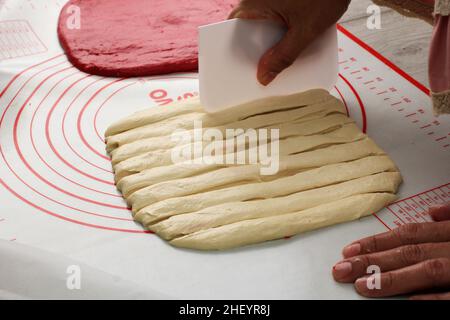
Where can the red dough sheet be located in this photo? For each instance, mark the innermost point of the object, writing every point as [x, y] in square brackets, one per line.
[130, 38]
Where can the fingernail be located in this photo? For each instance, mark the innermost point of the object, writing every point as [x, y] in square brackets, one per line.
[342, 269]
[268, 77]
[352, 250]
[361, 284]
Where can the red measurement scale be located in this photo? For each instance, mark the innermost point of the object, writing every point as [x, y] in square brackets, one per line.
[394, 98]
[57, 190]
[66, 173]
[414, 209]
[390, 94]
[17, 39]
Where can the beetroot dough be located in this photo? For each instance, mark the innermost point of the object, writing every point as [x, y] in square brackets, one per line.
[128, 38]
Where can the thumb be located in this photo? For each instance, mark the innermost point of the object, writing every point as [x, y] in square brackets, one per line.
[440, 212]
[281, 56]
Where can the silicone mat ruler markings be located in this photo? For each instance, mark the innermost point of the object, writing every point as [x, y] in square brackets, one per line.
[71, 218]
[17, 39]
[354, 69]
[28, 4]
[403, 106]
[412, 209]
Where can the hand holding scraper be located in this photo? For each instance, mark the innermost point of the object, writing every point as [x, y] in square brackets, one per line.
[263, 44]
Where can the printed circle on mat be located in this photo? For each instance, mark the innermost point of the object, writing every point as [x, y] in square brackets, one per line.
[52, 151]
[151, 91]
[346, 92]
[51, 146]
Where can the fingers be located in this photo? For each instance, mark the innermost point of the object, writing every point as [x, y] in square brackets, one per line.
[282, 55]
[413, 233]
[440, 213]
[356, 267]
[305, 20]
[425, 275]
[435, 296]
[411, 258]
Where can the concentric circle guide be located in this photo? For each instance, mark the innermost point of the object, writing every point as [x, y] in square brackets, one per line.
[53, 118]
[56, 189]
[56, 117]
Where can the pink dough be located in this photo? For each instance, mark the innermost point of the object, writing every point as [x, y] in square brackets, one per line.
[129, 38]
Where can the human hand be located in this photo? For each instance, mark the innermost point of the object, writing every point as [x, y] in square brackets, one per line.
[412, 258]
[304, 20]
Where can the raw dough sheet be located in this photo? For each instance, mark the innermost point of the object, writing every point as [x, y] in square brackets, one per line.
[136, 37]
[328, 170]
[59, 205]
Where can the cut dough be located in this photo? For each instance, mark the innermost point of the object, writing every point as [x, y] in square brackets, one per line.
[333, 154]
[275, 227]
[145, 145]
[153, 115]
[232, 212]
[193, 185]
[306, 180]
[156, 114]
[146, 177]
[347, 133]
[186, 122]
[130, 184]
[202, 182]
[329, 172]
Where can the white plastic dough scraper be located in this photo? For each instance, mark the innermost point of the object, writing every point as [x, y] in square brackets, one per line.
[229, 53]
